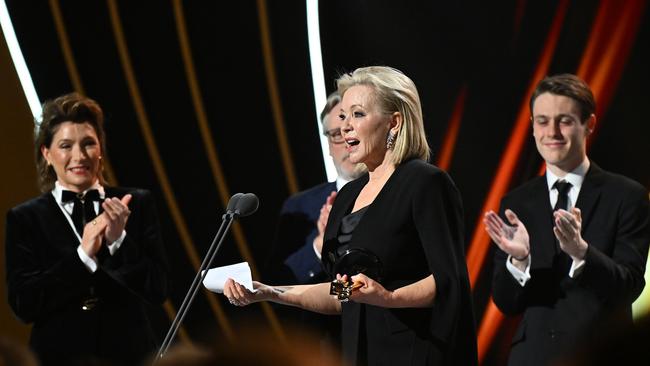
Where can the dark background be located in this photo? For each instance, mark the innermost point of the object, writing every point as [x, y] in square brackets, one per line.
[490, 50]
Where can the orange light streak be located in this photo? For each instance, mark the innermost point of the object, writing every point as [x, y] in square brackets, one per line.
[480, 240]
[602, 74]
[449, 142]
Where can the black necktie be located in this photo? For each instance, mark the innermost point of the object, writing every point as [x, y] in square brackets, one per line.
[83, 210]
[563, 188]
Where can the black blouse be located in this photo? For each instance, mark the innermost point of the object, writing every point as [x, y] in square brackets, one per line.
[348, 224]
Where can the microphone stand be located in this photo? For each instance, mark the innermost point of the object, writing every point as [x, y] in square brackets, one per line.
[227, 220]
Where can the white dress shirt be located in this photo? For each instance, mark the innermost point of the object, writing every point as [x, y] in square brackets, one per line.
[67, 207]
[576, 177]
[340, 182]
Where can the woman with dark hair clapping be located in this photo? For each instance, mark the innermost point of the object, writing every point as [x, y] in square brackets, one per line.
[83, 259]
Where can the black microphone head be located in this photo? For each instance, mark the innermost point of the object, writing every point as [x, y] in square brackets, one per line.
[247, 205]
[232, 204]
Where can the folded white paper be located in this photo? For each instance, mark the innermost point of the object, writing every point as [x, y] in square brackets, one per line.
[240, 272]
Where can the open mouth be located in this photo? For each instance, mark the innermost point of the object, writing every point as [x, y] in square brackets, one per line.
[352, 142]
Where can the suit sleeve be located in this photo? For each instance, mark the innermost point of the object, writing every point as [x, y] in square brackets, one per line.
[618, 277]
[303, 263]
[35, 290]
[438, 216]
[140, 265]
[293, 260]
[508, 295]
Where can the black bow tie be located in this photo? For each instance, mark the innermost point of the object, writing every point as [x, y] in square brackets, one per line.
[84, 209]
[91, 195]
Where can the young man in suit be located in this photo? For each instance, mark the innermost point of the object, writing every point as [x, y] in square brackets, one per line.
[572, 244]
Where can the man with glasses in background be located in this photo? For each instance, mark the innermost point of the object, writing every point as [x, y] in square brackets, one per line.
[295, 256]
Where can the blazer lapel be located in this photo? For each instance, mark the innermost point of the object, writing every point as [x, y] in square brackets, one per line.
[57, 222]
[540, 228]
[590, 193]
[343, 205]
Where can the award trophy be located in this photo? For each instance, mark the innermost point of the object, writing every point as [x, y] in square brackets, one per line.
[352, 261]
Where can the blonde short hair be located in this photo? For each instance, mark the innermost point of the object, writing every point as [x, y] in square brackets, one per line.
[394, 92]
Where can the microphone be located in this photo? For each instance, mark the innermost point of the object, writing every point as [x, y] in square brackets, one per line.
[240, 205]
[246, 205]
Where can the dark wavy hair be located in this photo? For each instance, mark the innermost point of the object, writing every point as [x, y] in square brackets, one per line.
[74, 108]
[569, 86]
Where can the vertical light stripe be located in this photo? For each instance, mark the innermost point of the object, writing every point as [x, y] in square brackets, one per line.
[197, 101]
[318, 82]
[62, 34]
[19, 62]
[594, 69]
[611, 63]
[492, 319]
[480, 240]
[75, 78]
[274, 95]
[588, 61]
[603, 70]
[501, 182]
[73, 72]
[449, 142]
[159, 168]
[213, 157]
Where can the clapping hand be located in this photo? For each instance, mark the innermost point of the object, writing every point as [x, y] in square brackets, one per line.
[91, 240]
[512, 239]
[322, 221]
[109, 225]
[116, 213]
[567, 230]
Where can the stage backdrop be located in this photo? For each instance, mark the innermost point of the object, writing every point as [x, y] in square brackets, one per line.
[207, 98]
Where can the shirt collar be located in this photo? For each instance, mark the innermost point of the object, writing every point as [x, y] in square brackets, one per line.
[575, 177]
[340, 182]
[58, 189]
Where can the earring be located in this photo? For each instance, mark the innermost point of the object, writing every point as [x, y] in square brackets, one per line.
[390, 141]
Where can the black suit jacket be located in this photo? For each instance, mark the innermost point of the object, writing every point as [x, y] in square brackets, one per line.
[415, 227]
[47, 283]
[559, 311]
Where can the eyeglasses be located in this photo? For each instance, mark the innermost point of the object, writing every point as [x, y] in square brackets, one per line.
[334, 135]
